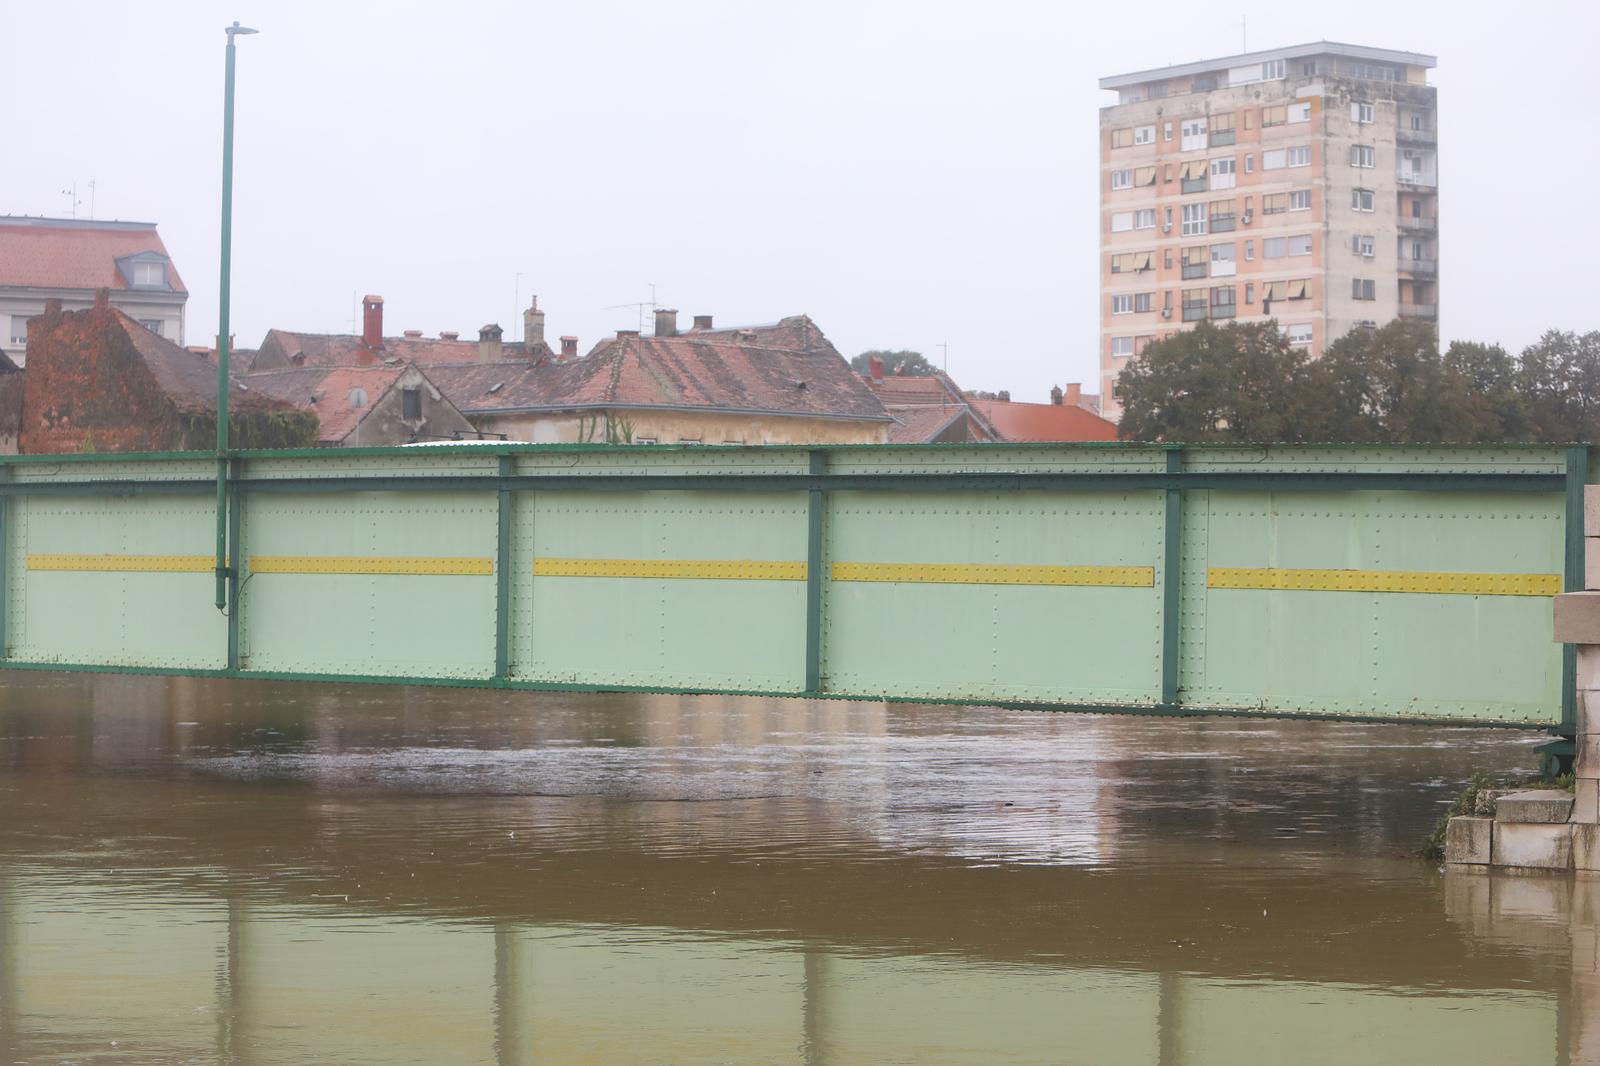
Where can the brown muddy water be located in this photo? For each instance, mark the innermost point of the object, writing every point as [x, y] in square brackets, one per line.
[205, 871]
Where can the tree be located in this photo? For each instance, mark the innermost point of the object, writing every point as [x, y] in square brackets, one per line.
[1492, 373]
[910, 363]
[1559, 379]
[1234, 383]
[1391, 386]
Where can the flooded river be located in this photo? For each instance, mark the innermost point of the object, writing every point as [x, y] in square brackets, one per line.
[206, 871]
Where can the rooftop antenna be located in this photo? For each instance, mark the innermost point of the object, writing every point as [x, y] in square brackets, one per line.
[640, 307]
[1244, 33]
[72, 199]
[91, 199]
[945, 348]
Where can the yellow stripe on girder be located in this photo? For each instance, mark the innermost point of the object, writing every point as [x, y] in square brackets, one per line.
[1439, 582]
[700, 569]
[170, 564]
[997, 574]
[370, 564]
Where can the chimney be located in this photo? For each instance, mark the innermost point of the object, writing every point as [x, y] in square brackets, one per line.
[702, 321]
[489, 343]
[372, 321]
[1074, 394]
[1055, 395]
[413, 334]
[875, 368]
[449, 335]
[666, 322]
[569, 349]
[623, 334]
[533, 325]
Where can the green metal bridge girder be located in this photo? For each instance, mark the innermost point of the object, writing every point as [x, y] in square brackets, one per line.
[1347, 582]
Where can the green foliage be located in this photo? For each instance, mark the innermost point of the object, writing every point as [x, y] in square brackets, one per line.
[1244, 383]
[909, 363]
[1464, 803]
[289, 427]
[1230, 383]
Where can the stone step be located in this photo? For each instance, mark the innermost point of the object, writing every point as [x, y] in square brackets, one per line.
[1545, 805]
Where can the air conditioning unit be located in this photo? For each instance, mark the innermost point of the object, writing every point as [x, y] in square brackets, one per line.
[1166, 312]
[1248, 215]
[1166, 227]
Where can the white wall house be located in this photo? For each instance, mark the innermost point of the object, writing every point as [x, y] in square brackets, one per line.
[70, 260]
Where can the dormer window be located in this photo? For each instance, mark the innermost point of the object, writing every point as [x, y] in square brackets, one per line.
[151, 275]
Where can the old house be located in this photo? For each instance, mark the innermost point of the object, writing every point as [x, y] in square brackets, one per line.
[782, 383]
[97, 380]
[70, 260]
[365, 406]
[927, 409]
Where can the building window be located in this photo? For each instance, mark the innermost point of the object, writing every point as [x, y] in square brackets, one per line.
[1276, 159]
[1416, 250]
[1308, 69]
[1144, 135]
[1364, 244]
[411, 404]
[1144, 218]
[1121, 347]
[1221, 216]
[1142, 302]
[19, 329]
[1196, 304]
[1143, 176]
[1300, 156]
[1249, 250]
[1300, 244]
[1363, 289]
[1300, 112]
[1222, 302]
[1121, 179]
[1222, 129]
[150, 275]
[1362, 114]
[1300, 200]
[1275, 203]
[1274, 247]
[1166, 132]
[1194, 219]
[1274, 116]
[1222, 261]
[1362, 155]
[644, 440]
[1121, 221]
[1194, 262]
[1122, 304]
[1194, 135]
[1249, 163]
[1361, 200]
[1272, 70]
[1222, 173]
[1194, 176]
[1299, 336]
[151, 324]
[1250, 292]
[1132, 262]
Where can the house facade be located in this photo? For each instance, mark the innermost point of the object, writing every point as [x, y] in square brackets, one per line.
[366, 406]
[71, 260]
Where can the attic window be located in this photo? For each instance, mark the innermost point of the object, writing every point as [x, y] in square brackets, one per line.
[496, 387]
[150, 275]
[411, 403]
[358, 397]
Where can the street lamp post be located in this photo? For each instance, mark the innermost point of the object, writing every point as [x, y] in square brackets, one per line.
[223, 342]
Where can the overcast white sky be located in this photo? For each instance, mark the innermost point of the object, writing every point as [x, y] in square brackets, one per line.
[909, 174]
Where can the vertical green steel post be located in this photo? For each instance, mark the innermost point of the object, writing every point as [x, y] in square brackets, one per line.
[814, 576]
[235, 560]
[502, 578]
[1573, 580]
[226, 273]
[1171, 578]
[5, 558]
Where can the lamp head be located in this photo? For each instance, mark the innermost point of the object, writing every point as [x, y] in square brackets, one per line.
[237, 30]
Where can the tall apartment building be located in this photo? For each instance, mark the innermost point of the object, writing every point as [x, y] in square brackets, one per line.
[1297, 183]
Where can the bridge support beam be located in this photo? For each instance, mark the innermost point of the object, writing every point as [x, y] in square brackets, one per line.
[502, 577]
[1171, 580]
[816, 505]
[235, 559]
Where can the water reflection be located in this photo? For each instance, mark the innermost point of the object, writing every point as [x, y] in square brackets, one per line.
[197, 871]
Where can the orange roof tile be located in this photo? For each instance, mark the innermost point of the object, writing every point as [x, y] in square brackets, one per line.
[1045, 421]
[68, 254]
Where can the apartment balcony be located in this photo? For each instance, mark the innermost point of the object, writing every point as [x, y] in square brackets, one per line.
[1419, 310]
[1416, 181]
[1427, 224]
[1424, 138]
[1419, 267]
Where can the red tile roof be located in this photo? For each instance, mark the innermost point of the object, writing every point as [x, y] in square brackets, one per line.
[68, 254]
[1045, 421]
[340, 349]
[189, 378]
[925, 406]
[327, 391]
[788, 368]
